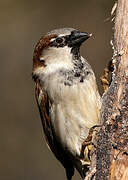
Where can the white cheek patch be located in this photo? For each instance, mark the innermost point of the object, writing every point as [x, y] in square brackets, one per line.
[55, 59]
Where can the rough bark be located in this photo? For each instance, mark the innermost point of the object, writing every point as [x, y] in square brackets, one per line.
[112, 145]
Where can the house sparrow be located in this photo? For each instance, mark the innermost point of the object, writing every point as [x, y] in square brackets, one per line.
[66, 94]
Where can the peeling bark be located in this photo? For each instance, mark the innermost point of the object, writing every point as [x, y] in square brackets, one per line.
[112, 144]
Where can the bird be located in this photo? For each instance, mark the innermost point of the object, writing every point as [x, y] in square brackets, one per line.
[67, 95]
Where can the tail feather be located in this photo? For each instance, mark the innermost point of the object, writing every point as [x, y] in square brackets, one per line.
[69, 172]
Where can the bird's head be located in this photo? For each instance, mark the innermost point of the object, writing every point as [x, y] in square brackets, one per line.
[57, 48]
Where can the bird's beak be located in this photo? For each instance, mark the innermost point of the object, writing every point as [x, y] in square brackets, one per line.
[77, 38]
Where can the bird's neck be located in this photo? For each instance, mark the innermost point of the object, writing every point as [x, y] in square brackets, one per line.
[68, 65]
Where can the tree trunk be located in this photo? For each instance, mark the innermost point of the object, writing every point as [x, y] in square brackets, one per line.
[112, 144]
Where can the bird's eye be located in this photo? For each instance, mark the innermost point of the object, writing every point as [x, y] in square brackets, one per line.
[59, 40]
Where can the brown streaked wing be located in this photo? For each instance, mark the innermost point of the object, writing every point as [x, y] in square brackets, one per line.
[50, 136]
[44, 113]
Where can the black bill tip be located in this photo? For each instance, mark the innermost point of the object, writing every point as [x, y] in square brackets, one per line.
[77, 37]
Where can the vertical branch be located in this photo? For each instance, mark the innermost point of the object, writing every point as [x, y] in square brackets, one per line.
[112, 145]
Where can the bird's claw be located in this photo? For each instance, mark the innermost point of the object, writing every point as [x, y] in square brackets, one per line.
[88, 146]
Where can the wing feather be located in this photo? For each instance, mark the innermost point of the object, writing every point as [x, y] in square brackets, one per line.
[44, 104]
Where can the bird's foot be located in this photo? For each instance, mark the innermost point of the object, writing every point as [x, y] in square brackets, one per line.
[88, 146]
